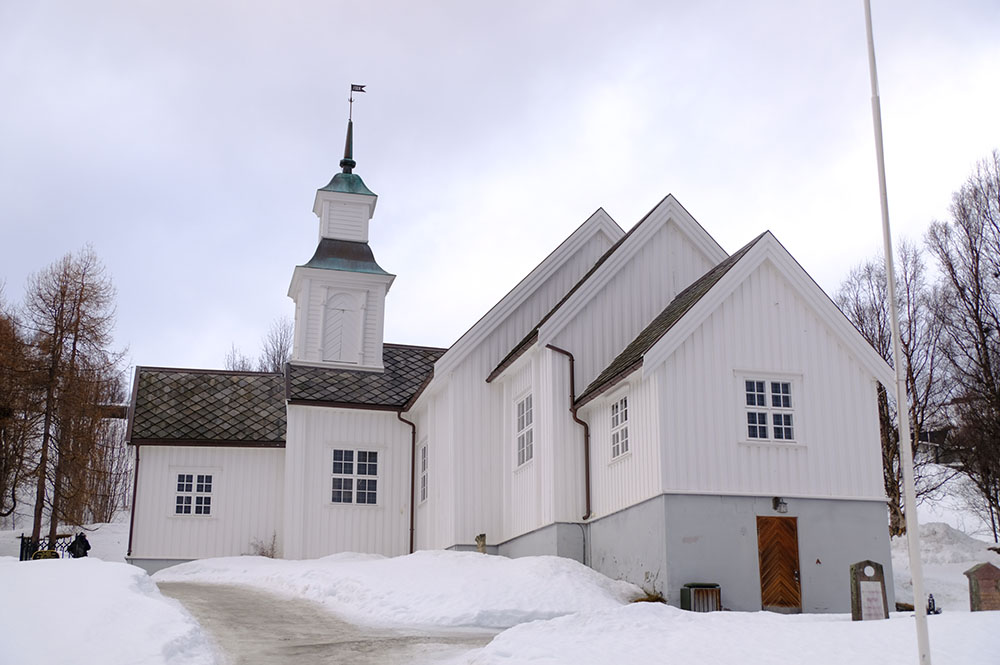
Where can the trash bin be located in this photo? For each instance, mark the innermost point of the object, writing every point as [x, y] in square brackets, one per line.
[701, 597]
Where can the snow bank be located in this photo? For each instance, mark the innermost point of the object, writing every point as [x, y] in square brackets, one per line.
[431, 588]
[946, 553]
[654, 633]
[92, 611]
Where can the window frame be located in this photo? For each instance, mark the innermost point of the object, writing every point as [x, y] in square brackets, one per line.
[524, 430]
[618, 421]
[775, 397]
[358, 474]
[193, 492]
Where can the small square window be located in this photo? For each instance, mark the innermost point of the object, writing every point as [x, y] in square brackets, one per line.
[354, 482]
[769, 410]
[193, 496]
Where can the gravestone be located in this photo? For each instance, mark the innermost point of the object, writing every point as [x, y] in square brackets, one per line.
[868, 600]
[984, 587]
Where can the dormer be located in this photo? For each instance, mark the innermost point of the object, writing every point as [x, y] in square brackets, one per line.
[340, 292]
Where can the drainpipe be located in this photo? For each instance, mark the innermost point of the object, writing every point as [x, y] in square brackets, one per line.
[586, 427]
[413, 467]
[135, 489]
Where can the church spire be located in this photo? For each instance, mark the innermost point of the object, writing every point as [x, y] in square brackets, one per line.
[348, 163]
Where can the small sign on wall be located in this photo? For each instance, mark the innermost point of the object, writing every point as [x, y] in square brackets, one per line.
[868, 600]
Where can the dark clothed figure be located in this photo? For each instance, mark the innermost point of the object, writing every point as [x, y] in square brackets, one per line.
[79, 547]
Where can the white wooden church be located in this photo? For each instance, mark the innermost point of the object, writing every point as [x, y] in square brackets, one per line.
[642, 402]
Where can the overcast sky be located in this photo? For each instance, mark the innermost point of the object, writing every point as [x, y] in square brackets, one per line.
[185, 141]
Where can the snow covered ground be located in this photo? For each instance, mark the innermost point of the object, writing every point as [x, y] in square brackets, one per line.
[431, 588]
[555, 611]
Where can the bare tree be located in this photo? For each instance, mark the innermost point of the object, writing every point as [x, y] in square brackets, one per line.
[237, 362]
[275, 351]
[18, 418]
[863, 298]
[276, 346]
[967, 249]
[69, 308]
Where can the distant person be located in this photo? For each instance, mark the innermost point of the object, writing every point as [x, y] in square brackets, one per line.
[79, 547]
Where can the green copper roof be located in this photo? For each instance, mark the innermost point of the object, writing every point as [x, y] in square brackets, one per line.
[332, 254]
[348, 183]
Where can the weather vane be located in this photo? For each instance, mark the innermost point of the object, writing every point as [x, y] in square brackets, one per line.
[354, 88]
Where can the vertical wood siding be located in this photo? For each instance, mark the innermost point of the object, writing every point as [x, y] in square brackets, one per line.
[640, 290]
[766, 329]
[247, 498]
[467, 449]
[366, 319]
[316, 527]
[634, 476]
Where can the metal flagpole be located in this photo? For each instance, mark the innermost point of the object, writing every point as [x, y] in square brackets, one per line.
[902, 405]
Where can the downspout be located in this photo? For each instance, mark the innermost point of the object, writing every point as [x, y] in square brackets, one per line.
[413, 468]
[586, 427]
[135, 488]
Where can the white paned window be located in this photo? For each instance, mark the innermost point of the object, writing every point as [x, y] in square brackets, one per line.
[525, 430]
[354, 477]
[769, 410]
[619, 427]
[423, 472]
[194, 494]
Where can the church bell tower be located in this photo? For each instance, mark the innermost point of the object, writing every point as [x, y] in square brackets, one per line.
[339, 293]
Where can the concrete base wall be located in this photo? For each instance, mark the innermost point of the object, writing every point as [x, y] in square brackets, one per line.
[153, 565]
[631, 545]
[670, 540]
[559, 539]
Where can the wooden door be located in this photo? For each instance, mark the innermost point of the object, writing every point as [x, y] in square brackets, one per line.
[778, 547]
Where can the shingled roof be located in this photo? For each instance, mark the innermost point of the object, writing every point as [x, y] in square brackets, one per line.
[208, 406]
[406, 370]
[630, 359]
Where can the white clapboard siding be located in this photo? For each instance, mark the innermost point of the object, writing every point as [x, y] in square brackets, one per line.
[468, 447]
[314, 525]
[642, 288]
[247, 491]
[634, 476]
[766, 329]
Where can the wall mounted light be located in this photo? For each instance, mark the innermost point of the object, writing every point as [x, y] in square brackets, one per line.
[779, 504]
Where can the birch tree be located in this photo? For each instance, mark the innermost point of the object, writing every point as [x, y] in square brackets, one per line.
[967, 249]
[863, 298]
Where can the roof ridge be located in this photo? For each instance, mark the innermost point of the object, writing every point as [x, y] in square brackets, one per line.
[415, 346]
[202, 370]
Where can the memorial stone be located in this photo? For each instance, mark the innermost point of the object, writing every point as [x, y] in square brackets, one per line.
[868, 599]
[984, 587]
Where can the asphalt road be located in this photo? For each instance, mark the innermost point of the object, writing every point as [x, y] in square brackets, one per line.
[257, 628]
